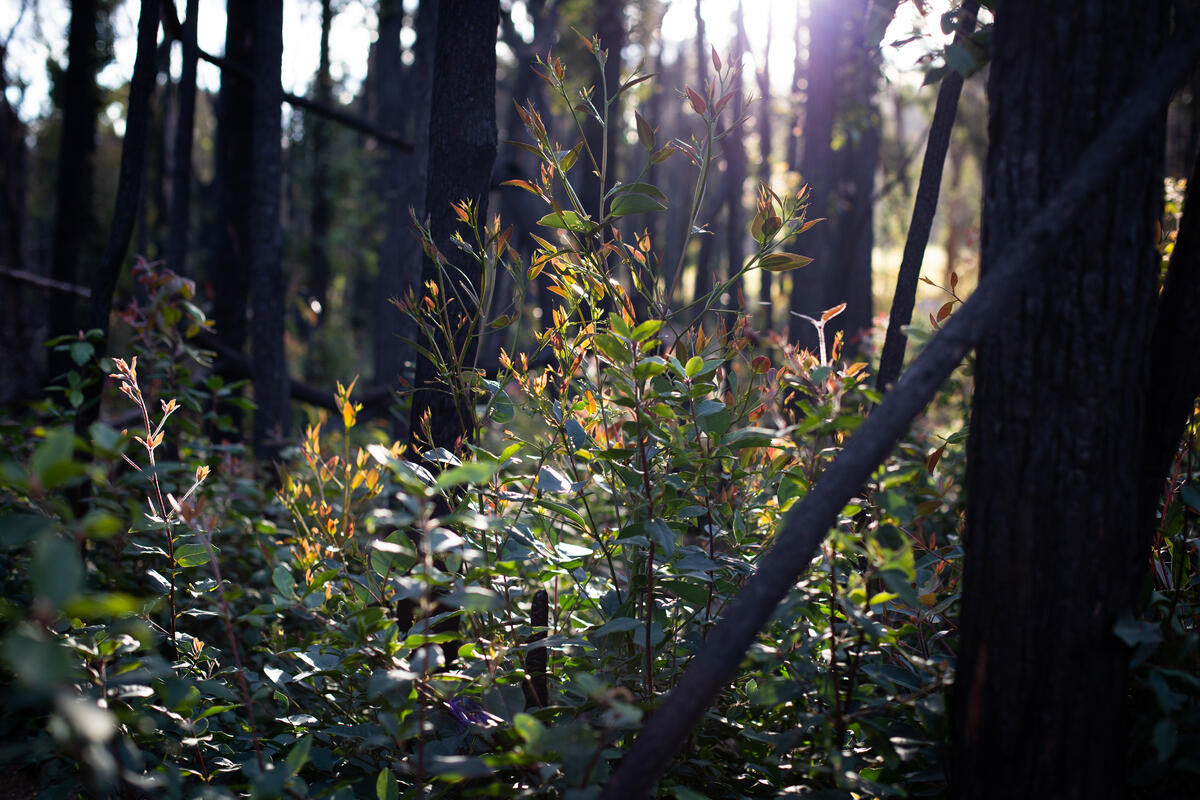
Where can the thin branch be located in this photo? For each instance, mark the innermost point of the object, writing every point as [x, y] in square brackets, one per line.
[924, 208]
[172, 28]
[806, 525]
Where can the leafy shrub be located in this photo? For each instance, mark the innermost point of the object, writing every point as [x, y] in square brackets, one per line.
[498, 620]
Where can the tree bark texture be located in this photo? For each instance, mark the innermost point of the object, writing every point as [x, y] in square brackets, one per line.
[267, 285]
[181, 174]
[73, 219]
[230, 270]
[462, 150]
[403, 106]
[129, 184]
[816, 165]
[1053, 554]
[321, 217]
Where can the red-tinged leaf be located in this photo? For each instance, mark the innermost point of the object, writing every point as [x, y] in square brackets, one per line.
[809, 224]
[523, 184]
[645, 132]
[698, 104]
[461, 213]
[933, 321]
[760, 365]
[721, 103]
[526, 146]
[716, 59]
[830, 313]
[933, 459]
[926, 280]
[782, 262]
[953, 281]
[945, 310]
[586, 41]
[629, 84]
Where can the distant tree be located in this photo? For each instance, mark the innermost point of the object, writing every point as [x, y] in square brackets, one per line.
[734, 147]
[1056, 538]
[267, 285]
[826, 23]
[321, 192]
[462, 150]
[764, 129]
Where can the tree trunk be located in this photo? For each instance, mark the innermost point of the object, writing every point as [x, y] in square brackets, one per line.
[402, 105]
[1052, 551]
[321, 217]
[73, 219]
[735, 167]
[763, 124]
[181, 179]
[462, 150]
[129, 184]
[230, 269]
[816, 165]
[267, 286]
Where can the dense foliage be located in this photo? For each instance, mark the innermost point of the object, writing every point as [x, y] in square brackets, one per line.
[496, 619]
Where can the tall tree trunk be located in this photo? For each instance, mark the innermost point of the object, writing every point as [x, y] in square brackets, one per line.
[129, 184]
[20, 349]
[267, 286]
[735, 168]
[230, 267]
[402, 105]
[816, 165]
[462, 150]
[73, 219]
[764, 129]
[321, 217]
[1052, 552]
[181, 178]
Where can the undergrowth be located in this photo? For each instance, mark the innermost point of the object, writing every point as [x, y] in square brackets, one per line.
[497, 619]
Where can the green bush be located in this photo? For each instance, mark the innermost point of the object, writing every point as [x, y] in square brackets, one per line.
[501, 624]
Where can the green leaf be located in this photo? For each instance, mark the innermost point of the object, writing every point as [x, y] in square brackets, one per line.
[617, 351]
[285, 584]
[385, 786]
[1166, 736]
[617, 625]
[53, 461]
[474, 473]
[783, 262]
[567, 221]
[57, 572]
[646, 330]
[191, 555]
[298, 756]
[551, 480]
[529, 728]
[693, 366]
[627, 204]
[649, 367]
[661, 534]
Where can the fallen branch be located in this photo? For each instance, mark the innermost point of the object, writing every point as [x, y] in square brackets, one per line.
[807, 524]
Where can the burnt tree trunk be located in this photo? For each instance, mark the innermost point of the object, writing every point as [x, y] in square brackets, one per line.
[764, 128]
[230, 270]
[321, 215]
[462, 150]
[181, 174]
[816, 165]
[402, 105]
[267, 286]
[73, 218]
[1053, 554]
